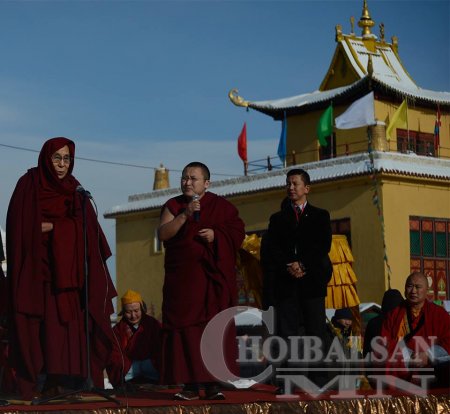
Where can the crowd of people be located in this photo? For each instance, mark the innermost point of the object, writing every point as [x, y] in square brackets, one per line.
[57, 297]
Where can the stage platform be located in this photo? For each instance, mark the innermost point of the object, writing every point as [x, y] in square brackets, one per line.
[259, 399]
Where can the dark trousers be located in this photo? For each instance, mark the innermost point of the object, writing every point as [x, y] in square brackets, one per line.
[301, 317]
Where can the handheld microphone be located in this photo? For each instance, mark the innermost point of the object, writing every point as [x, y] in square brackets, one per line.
[196, 197]
[84, 192]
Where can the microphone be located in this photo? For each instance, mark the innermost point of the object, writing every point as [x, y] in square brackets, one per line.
[196, 197]
[84, 192]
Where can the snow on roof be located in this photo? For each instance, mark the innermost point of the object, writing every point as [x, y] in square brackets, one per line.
[388, 73]
[315, 97]
[303, 99]
[319, 171]
[386, 65]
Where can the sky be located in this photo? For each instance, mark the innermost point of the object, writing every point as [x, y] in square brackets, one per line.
[146, 82]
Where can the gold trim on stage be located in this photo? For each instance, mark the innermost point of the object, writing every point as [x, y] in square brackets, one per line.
[438, 404]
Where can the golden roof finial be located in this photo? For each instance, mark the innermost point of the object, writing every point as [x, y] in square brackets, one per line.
[338, 36]
[236, 99]
[352, 25]
[365, 22]
[394, 40]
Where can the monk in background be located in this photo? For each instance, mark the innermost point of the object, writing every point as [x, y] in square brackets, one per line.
[46, 277]
[417, 334]
[202, 233]
[136, 355]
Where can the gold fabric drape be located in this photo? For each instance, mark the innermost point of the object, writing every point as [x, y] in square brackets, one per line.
[341, 292]
[249, 272]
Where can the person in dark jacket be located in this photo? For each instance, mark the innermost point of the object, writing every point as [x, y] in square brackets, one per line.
[296, 265]
[391, 299]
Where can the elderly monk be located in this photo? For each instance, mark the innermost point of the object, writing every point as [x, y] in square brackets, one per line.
[417, 331]
[137, 354]
[202, 233]
[46, 274]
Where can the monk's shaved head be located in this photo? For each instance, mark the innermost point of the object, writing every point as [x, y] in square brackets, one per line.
[418, 275]
[416, 288]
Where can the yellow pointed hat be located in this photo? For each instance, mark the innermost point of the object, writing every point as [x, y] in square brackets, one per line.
[131, 296]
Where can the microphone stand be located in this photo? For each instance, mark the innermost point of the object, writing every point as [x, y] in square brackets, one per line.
[88, 383]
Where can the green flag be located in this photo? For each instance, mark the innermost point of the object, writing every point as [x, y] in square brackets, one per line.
[325, 126]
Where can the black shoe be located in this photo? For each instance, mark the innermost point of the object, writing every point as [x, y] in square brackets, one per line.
[186, 395]
[215, 396]
[213, 392]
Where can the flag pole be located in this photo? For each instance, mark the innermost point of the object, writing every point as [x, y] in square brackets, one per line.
[407, 125]
[332, 133]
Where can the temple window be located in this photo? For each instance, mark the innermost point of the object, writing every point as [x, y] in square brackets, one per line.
[430, 253]
[421, 143]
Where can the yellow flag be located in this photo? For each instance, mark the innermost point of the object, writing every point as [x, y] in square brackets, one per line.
[399, 120]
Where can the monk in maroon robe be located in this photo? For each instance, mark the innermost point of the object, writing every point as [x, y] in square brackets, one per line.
[3, 286]
[46, 276]
[200, 279]
[417, 331]
[137, 351]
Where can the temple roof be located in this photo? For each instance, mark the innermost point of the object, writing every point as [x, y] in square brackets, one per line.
[320, 171]
[370, 63]
[346, 94]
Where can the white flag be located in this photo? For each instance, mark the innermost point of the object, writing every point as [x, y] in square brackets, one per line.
[360, 113]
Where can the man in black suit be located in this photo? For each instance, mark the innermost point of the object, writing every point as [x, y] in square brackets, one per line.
[296, 265]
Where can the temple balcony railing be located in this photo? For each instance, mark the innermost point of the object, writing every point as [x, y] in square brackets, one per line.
[342, 150]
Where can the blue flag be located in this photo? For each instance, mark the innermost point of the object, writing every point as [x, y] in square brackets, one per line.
[282, 144]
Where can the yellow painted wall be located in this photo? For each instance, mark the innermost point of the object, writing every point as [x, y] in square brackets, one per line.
[419, 119]
[341, 72]
[138, 267]
[302, 136]
[353, 199]
[403, 198]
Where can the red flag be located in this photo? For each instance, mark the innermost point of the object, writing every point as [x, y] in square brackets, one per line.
[242, 143]
[437, 126]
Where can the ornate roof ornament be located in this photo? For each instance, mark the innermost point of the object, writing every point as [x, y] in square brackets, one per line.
[381, 26]
[365, 22]
[370, 66]
[338, 36]
[236, 99]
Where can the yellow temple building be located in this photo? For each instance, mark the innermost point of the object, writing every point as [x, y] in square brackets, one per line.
[389, 195]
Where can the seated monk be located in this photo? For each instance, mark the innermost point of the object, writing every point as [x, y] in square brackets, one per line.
[417, 333]
[137, 351]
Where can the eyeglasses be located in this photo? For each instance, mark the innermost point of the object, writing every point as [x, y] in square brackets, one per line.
[56, 159]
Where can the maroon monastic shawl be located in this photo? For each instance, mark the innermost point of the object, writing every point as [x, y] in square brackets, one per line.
[46, 276]
[129, 346]
[3, 285]
[200, 281]
[436, 324]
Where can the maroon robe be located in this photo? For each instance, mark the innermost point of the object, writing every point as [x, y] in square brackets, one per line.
[3, 286]
[200, 281]
[46, 277]
[436, 323]
[129, 346]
